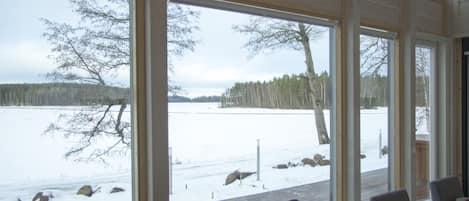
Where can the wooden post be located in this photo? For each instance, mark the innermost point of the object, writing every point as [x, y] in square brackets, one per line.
[170, 170]
[258, 173]
[380, 146]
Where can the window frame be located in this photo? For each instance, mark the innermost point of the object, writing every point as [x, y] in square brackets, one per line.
[247, 9]
[151, 178]
[442, 145]
[433, 148]
[391, 37]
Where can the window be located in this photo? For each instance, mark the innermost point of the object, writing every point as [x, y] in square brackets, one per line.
[374, 115]
[249, 107]
[424, 62]
[65, 100]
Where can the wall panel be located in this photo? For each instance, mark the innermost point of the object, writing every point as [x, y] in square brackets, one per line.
[318, 8]
[382, 14]
[430, 16]
[460, 16]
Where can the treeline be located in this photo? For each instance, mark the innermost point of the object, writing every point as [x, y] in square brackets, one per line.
[293, 92]
[288, 92]
[60, 94]
[200, 99]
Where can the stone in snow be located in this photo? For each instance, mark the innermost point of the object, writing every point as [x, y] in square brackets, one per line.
[281, 166]
[117, 190]
[308, 161]
[324, 162]
[86, 190]
[40, 197]
[318, 157]
[236, 175]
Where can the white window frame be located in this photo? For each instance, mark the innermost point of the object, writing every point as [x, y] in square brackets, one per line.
[151, 175]
[391, 37]
[241, 8]
[442, 145]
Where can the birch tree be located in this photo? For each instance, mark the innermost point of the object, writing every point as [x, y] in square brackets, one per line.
[271, 34]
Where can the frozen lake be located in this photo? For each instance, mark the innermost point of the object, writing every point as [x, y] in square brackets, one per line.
[207, 143]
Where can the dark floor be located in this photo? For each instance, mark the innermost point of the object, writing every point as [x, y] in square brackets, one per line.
[373, 182]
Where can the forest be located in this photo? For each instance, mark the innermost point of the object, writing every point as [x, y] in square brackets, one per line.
[60, 94]
[72, 94]
[293, 92]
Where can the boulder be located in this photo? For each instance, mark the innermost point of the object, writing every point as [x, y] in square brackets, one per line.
[384, 150]
[237, 175]
[318, 157]
[308, 161]
[232, 177]
[281, 166]
[291, 164]
[85, 190]
[40, 197]
[243, 175]
[117, 190]
[324, 162]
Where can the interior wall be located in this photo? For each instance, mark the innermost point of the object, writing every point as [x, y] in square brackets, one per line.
[430, 16]
[381, 14]
[460, 17]
[330, 9]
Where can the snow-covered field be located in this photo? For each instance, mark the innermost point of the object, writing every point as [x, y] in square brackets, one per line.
[207, 144]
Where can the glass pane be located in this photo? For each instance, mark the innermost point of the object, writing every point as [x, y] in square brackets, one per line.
[248, 97]
[374, 115]
[65, 100]
[423, 63]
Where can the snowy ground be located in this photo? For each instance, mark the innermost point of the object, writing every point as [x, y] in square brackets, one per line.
[207, 144]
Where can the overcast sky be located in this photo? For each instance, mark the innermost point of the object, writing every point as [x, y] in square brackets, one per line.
[219, 59]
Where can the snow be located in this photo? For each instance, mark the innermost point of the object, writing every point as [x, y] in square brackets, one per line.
[207, 144]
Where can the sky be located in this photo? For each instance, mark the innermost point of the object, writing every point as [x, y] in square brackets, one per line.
[218, 61]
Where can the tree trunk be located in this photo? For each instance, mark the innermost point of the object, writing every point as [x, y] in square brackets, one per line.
[426, 97]
[314, 84]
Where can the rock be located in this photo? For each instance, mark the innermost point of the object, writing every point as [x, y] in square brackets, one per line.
[232, 177]
[243, 175]
[384, 150]
[308, 161]
[281, 166]
[236, 175]
[291, 164]
[117, 190]
[362, 156]
[85, 190]
[40, 197]
[318, 157]
[324, 162]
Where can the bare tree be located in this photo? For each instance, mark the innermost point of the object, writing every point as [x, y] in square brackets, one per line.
[422, 67]
[374, 56]
[270, 34]
[95, 50]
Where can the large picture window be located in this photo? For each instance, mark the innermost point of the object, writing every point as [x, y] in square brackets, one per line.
[375, 110]
[249, 107]
[424, 62]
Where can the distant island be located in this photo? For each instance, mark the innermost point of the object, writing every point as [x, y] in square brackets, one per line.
[73, 94]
